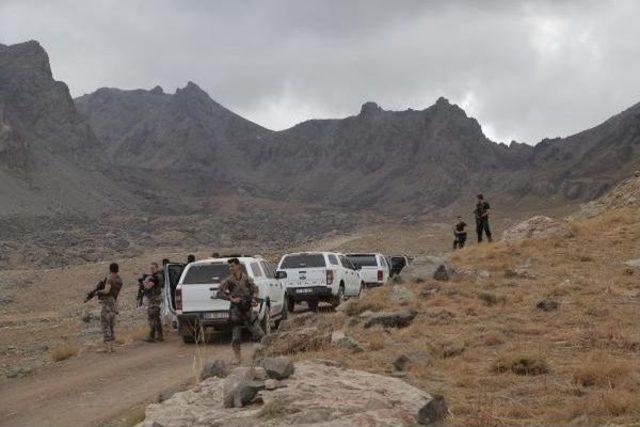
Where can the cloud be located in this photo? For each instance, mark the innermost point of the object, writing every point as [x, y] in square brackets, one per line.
[525, 70]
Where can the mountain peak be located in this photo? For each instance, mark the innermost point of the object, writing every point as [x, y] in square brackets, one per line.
[369, 109]
[157, 90]
[442, 101]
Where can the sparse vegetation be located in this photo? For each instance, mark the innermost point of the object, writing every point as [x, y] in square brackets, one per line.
[63, 352]
[525, 364]
[275, 408]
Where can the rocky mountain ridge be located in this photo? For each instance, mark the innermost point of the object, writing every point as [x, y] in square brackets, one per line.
[127, 147]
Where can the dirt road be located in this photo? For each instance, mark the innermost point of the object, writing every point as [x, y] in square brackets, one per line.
[96, 389]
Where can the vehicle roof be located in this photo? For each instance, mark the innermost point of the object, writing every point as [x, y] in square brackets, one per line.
[313, 253]
[364, 253]
[225, 259]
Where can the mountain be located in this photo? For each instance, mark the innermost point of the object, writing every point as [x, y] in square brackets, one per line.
[185, 131]
[117, 150]
[47, 162]
[403, 161]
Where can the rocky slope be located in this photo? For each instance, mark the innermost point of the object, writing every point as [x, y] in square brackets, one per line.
[47, 162]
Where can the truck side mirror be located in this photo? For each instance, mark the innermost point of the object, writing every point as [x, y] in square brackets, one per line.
[281, 274]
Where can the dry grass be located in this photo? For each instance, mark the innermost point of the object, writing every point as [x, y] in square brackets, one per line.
[63, 352]
[500, 361]
[521, 364]
[275, 408]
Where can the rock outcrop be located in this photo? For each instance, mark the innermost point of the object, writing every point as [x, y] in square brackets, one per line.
[316, 394]
[537, 227]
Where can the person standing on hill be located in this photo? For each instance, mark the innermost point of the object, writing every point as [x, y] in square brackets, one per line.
[460, 234]
[482, 218]
[107, 298]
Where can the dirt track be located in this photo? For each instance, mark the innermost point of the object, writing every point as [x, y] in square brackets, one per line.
[95, 388]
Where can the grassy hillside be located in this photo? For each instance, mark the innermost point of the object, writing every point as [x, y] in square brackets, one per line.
[500, 360]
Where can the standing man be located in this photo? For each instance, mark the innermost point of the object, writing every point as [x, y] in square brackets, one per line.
[107, 298]
[482, 218]
[459, 234]
[241, 291]
[153, 284]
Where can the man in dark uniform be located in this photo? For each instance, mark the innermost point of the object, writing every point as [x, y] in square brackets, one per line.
[153, 285]
[108, 297]
[459, 233]
[482, 218]
[241, 291]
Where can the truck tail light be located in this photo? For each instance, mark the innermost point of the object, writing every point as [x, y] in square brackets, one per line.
[380, 275]
[178, 299]
[329, 277]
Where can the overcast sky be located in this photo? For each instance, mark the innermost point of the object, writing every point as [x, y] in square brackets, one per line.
[526, 70]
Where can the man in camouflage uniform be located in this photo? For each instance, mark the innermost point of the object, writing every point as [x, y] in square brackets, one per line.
[241, 291]
[107, 298]
[153, 285]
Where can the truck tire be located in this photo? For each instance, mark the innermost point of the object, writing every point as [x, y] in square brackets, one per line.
[313, 305]
[283, 315]
[291, 305]
[338, 298]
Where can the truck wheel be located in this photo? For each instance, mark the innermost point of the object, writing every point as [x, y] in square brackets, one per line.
[283, 315]
[266, 322]
[291, 305]
[339, 298]
[313, 305]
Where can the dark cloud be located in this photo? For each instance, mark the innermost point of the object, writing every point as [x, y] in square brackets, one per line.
[525, 70]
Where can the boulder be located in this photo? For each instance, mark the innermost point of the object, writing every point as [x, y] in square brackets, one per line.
[398, 319]
[217, 368]
[547, 305]
[317, 395]
[537, 227]
[433, 411]
[427, 267]
[277, 368]
[233, 386]
[340, 339]
[272, 384]
[417, 357]
[633, 263]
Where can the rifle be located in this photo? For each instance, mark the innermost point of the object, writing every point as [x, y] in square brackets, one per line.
[141, 289]
[100, 286]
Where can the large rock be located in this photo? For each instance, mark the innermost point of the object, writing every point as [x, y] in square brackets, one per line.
[237, 387]
[217, 368]
[278, 368]
[633, 263]
[398, 319]
[340, 339]
[537, 227]
[427, 267]
[315, 396]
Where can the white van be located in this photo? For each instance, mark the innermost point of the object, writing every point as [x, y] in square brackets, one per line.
[318, 276]
[374, 268]
[192, 301]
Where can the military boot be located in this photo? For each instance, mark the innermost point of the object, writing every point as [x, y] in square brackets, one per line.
[238, 356]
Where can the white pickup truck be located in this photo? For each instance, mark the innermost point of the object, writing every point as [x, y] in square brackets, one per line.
[318, 276]
[191, 301]
[374, 268]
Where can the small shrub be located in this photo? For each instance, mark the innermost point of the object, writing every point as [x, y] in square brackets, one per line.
[521, 365]
[603, 373]
[490, 298]
[491, 340]
[376, 343]
[358, 306]
[275, 408]
[63, 352]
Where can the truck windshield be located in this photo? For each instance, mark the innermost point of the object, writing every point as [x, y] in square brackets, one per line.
[205, 274]
[363, 260]
[303, 261]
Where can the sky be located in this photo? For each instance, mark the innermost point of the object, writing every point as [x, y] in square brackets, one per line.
[525, 70]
